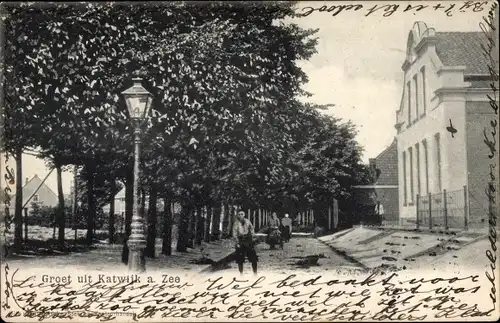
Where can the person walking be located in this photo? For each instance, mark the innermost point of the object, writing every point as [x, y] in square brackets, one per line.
[286, 222]
[243, 234]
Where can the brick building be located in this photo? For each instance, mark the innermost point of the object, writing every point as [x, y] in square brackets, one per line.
[384, 189]
[443, 160]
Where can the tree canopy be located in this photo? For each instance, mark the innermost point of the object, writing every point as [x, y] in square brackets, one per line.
[226, 124]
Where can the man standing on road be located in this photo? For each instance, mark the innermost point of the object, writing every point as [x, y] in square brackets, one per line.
[379, 211]
[243, 234]
[286, 222]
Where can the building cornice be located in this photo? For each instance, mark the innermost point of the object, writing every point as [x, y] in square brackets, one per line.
[462, 90]
[451, 69]
[450, 90]
[431, 40]
[406, 65]
[478, 75]
[479, 90]
[398, 126]
[376, 186]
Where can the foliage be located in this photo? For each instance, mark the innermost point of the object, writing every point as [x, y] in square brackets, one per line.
[226, 124]
[44, 216]
[103, 191]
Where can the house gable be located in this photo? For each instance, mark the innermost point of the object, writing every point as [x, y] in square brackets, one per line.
[387, 163]
[44, 196]
[421, 76]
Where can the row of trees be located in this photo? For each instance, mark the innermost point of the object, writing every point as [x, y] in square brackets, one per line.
[226, 125]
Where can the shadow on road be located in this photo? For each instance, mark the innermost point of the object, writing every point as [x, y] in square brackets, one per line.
[51, 247]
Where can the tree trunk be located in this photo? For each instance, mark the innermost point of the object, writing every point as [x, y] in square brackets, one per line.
[74, 207]
[260, 219]
[129, 210]
[183, 228]
[230, 219]
[60, 217]
[166, 247]
[225, 221]
[221, 223]
[203, 224]
[192, 228]
[216, 212]
[152, 220]
[209, 223]
[111, 224]
[18, 213]
[200, 230]
[25, 224]
[90, 204]
[257, 220]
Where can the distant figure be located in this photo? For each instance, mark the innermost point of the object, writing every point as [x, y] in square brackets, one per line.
[274, 234]
[286, 222]
[379, 211]
[274, 222]
[243, 234]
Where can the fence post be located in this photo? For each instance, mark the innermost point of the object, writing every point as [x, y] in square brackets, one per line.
[418, 211]
[430, 211]
[445, 209]
[466, 209]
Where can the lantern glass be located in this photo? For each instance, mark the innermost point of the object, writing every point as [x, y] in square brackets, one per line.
[138, 100]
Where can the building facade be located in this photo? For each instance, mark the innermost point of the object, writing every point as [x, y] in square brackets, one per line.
[443, 160]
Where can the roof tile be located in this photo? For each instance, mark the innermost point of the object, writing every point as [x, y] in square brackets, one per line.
[462, 49]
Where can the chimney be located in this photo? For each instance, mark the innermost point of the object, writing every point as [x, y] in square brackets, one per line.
[27, 180]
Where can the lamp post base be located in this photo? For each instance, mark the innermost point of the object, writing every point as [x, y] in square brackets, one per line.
[136, 261]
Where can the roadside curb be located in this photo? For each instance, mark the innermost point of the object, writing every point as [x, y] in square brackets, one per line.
[443, 243]
[345, 255]
[385, 232]
[422, 230]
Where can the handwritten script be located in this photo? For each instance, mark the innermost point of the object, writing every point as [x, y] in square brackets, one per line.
[8, 178]
[489, 30]
[387, 10]
[375, 296]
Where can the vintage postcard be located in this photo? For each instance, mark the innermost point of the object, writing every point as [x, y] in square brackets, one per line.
[268, 161]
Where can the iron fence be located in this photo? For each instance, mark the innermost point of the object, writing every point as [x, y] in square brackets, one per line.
[460, 209]
[447, 210]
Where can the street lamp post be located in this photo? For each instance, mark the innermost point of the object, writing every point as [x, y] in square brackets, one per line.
[138, 101]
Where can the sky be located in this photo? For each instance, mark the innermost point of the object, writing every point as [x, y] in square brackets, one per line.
[357, 67]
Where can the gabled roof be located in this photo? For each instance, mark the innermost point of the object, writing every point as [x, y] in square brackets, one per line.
[387, 149]
[43, 184]
[25, 184]
[462, 49]
[387, 162]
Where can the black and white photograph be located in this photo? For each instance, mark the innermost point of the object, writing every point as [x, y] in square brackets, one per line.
[274, 161]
